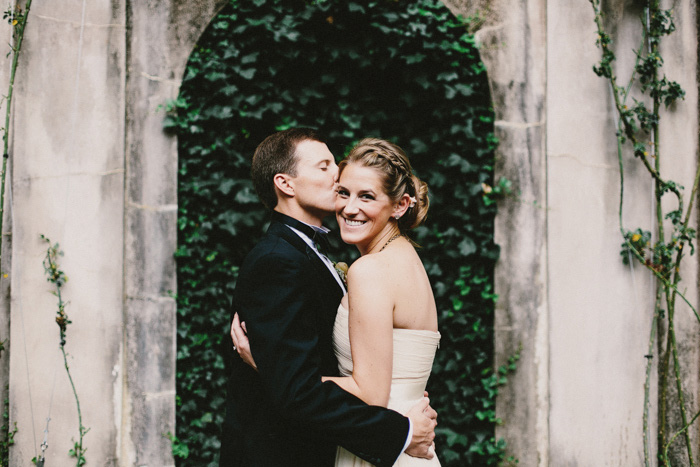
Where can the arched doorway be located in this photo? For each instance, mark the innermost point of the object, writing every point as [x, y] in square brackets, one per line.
[407, 72]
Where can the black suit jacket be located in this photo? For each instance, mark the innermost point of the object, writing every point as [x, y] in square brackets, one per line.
[283, 415]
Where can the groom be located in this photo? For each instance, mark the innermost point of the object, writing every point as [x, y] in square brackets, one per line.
[287, 293]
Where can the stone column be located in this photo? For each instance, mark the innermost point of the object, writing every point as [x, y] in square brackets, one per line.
[513, 46]
[67, 183]
[160, 38]
[512, 40]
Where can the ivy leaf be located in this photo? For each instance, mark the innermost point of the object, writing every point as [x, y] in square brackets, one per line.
[467, 247]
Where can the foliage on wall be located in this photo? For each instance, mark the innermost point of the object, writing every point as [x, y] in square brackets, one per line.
[661, 251]
[16, 18]
[8, 430]
[56, 276]
[407, 71]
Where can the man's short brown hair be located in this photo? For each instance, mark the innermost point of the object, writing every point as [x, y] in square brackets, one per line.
[277, 155]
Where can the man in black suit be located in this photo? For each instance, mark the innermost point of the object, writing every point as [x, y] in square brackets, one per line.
[280, 413]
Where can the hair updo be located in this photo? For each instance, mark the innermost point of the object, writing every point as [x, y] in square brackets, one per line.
[397, 176]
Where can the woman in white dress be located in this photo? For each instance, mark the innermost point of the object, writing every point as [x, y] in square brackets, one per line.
[385, 334]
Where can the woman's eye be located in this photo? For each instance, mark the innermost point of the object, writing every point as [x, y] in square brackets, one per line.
[342, 193]
[370, 197]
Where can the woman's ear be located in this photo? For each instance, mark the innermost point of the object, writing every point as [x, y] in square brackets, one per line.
[401, 207]
[284, 183]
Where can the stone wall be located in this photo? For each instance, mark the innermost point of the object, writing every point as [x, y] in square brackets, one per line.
[67, 183]
[93, 170]
[583, 319]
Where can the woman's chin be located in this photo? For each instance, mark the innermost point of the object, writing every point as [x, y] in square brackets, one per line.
[349, 239]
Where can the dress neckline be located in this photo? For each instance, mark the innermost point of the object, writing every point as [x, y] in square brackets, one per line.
[427, 332]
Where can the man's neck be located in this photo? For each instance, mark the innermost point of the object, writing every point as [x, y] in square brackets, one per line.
[300, 214]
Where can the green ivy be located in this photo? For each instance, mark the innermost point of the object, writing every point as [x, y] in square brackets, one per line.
[406, 71]
[7, 430]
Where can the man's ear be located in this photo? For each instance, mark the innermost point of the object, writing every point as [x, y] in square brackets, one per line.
[284, 183]
[402, 206]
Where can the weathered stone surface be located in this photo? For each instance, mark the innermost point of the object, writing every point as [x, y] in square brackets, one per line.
[679, 139]
[512, 43]
[150, 344]
[5, 269]
[599, 323]
[601, 311]
[93, 170]
[67, 183]
[151, 236]
[160, 37]
[521, 311]
[563, 292]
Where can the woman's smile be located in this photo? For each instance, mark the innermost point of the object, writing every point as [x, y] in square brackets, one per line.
[353, 222]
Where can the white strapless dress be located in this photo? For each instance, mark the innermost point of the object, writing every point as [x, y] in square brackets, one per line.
[414, 351]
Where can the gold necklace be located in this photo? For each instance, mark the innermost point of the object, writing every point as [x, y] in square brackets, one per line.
[391, 240]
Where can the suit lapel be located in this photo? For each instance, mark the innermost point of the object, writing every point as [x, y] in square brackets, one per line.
[325, 278]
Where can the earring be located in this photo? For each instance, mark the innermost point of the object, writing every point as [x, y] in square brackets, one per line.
[397, 216]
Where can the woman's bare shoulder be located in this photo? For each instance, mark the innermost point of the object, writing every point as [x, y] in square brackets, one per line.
[368, 267]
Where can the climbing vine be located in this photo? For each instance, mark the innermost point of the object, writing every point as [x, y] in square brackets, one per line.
[406, 71]
[58, 278]
[17, 19]
[7, 430]
[662, 250]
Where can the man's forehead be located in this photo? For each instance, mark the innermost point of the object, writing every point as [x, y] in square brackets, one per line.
[312, 151]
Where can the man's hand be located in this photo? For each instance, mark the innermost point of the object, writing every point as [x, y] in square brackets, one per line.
[240, 341]
[424, 419]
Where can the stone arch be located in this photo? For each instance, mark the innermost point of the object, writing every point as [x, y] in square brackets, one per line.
[133, 175]
[513, 49]
[512, 37]
[150, 219]
[203, 171]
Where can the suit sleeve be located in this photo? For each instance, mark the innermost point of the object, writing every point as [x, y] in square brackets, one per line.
[283, 335]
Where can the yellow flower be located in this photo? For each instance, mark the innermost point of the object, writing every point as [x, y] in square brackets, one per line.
[342, 267]
[487, 188]
[636, 237]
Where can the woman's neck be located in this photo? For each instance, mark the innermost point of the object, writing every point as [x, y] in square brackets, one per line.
[381, 240]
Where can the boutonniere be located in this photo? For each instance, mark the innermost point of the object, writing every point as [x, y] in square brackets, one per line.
[342, 270]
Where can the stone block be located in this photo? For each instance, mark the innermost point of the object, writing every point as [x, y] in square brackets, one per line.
[151, 241]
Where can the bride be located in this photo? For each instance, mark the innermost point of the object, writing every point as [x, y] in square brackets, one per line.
[385, 334]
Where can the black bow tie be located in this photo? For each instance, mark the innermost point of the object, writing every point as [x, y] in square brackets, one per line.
[319, 238]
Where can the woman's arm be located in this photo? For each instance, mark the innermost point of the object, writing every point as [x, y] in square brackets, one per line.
[371, 325]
